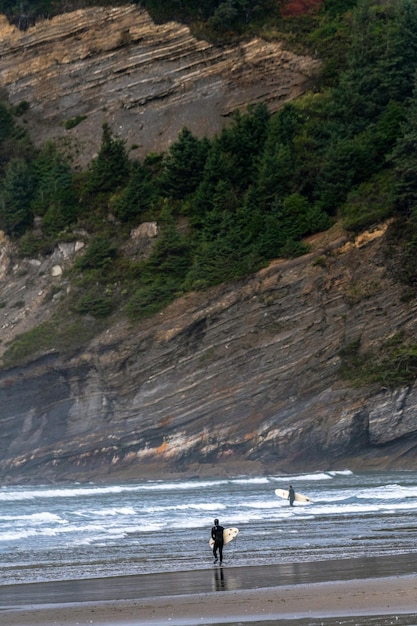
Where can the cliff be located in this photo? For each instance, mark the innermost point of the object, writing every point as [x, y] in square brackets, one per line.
[146, 81]
[244, 378]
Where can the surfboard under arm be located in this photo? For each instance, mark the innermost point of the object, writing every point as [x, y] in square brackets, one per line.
[283, 493]
[228, 535]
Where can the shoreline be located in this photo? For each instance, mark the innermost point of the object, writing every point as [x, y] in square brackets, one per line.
[358, 590]
[392, 596]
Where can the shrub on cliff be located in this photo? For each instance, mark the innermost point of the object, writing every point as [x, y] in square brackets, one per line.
[100, 254]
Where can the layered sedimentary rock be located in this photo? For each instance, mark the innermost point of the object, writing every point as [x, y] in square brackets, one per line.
[245, 378]
[147, 81]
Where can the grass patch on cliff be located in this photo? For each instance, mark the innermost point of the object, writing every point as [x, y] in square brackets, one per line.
[393, 365]
[73, 122]
[56, 336]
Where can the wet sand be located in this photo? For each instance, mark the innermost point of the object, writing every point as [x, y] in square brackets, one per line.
[377, 591]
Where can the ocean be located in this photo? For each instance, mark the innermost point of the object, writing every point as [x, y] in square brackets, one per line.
[77, 531]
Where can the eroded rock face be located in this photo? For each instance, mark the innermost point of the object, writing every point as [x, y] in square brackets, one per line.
[147, 81]
[242, 379]
[245, 378]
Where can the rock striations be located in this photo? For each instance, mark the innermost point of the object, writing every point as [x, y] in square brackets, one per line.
[147, 81]
[243, 379]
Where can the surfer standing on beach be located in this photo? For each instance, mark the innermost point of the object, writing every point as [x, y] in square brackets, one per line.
[217, 536]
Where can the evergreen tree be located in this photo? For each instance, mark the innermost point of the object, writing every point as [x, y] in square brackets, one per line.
[6, 123]
[110, 169]
[278, 164]
[223, 201]
[215, 259]
[183, 165]
[15, 142]
[289, 220]
[100, 255]
[137, 196]
[338, 173]
[242, 143]
[335, 7]
[16, 193]
[404, 159]
[170, 257]
[55, 198]
[383, 61]
[215, 170]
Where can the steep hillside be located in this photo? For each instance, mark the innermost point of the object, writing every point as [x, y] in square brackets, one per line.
[308, 363]
[244, 378]
[147, 81]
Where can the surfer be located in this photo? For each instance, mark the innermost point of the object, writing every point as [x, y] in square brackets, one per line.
[291, 495]
[217, 536]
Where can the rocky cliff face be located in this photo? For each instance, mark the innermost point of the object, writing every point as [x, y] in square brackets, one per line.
[147, 81]
[245, 378]
[242, 379]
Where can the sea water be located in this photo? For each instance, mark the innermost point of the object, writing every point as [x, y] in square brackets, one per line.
[77, 531]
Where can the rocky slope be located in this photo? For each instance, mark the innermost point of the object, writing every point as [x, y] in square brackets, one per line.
[242, 379]
[245, 378]
[147, 81]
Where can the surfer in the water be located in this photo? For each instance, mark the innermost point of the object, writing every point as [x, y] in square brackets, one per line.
[291, 495]
[217, 536]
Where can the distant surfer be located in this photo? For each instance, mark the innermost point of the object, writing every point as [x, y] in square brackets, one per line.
[291, 495]
[217, 536]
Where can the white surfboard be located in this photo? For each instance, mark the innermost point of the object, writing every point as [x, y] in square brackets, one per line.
[228, 535]
[283, 493]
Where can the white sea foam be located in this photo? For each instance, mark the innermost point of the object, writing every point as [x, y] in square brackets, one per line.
[302, 477]
[43, 517]
[250, 481]
[205, 506]
[39, 532]
[93, 530]
[114, 511]
[58, 493]
[392, 491]
[7, 495]
[183, 486]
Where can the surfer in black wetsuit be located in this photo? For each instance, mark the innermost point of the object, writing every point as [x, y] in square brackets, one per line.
[291, 495]
[217, 536]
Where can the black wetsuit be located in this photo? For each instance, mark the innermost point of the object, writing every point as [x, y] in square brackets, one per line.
[291, 496]
[217, 536]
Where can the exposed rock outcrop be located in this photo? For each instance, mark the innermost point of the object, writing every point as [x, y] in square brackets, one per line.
[147, 81]
[245, 378]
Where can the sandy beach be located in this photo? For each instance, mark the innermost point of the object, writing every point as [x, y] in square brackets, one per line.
[300, 604]
[330, 593]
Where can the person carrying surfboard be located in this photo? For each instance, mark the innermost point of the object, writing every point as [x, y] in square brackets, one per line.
[291, 495]
[217, 536]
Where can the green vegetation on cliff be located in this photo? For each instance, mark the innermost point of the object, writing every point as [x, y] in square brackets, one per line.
[227, 205]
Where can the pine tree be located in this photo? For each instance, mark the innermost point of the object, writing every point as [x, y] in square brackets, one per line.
[137, 196]
[404, 159]
[6, 122]
[55, 198]
[241, 145]
[110, 169]
[183, 165]
[16, 194]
